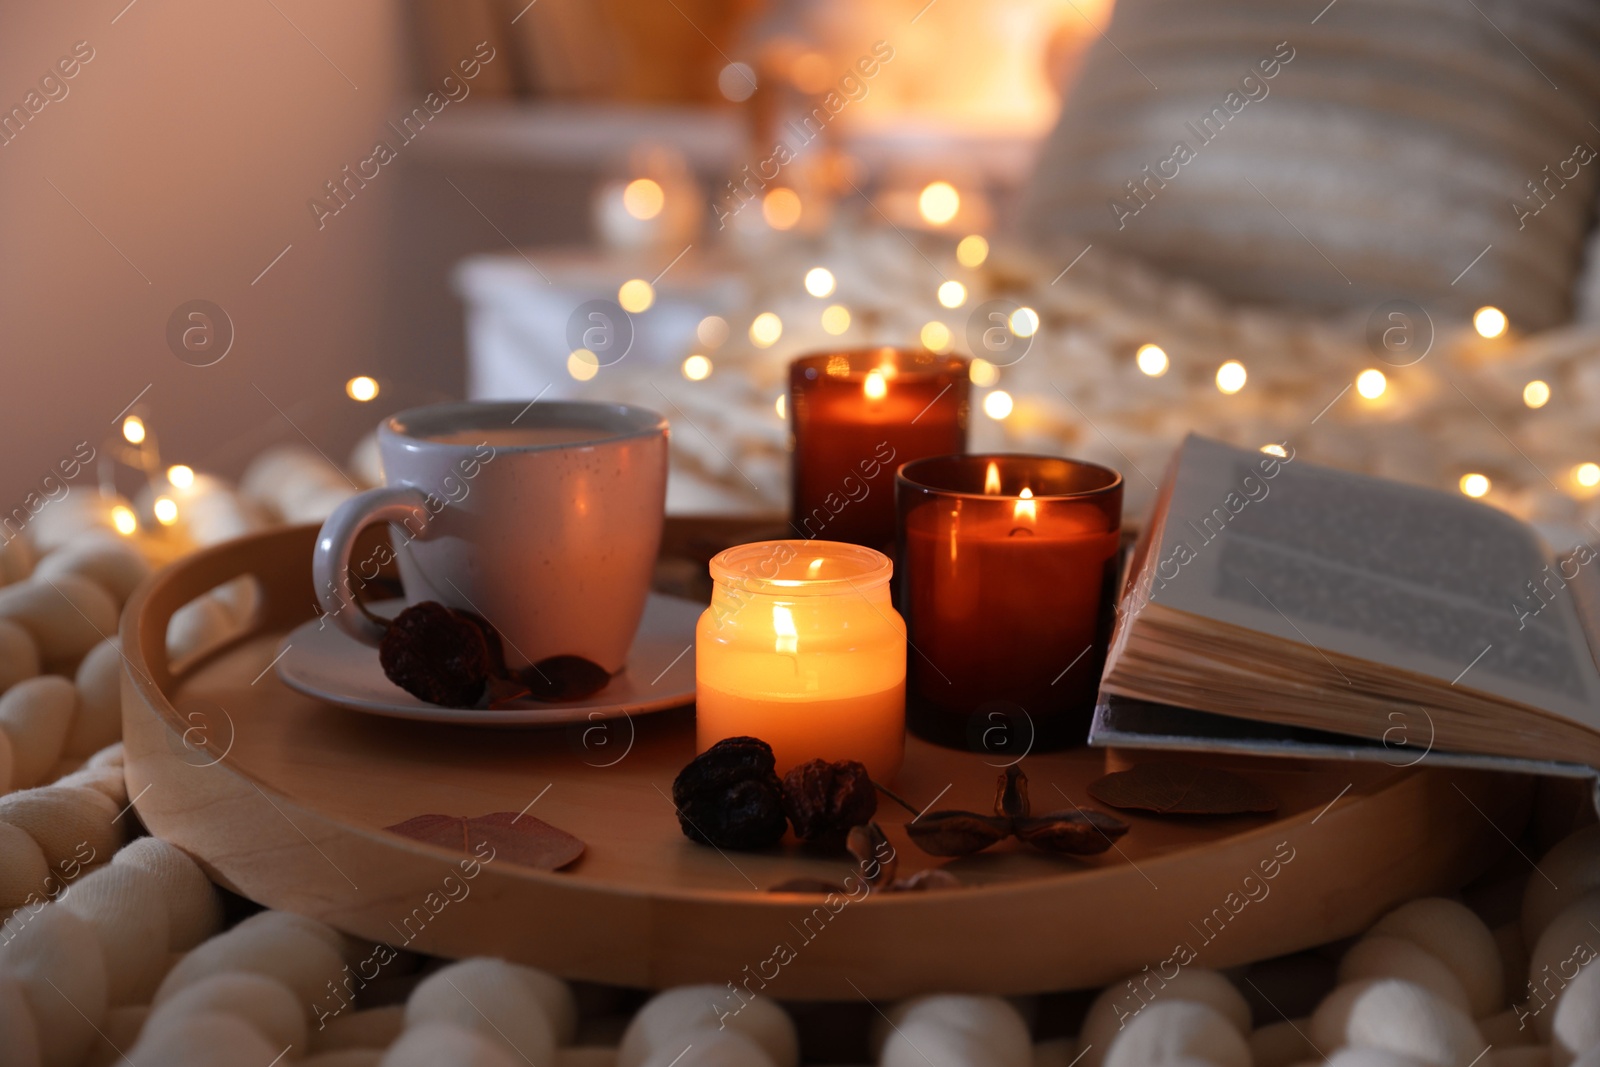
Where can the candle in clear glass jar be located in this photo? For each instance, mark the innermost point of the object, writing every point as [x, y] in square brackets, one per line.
[802, 648]
[858, 415]
[1007, 566]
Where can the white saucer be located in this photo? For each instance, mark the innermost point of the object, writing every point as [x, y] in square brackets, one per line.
[322, 661]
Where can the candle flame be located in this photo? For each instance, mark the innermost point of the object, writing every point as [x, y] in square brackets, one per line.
[991, 479]
[814, 568]
[783, 625]
[875, 387]
[1026, 507]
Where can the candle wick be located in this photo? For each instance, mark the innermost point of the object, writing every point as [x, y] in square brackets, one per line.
[1015, 530]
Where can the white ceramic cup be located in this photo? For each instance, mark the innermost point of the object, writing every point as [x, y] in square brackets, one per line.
[544, 519]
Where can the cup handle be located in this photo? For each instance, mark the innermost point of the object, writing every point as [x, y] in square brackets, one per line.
[330, 564]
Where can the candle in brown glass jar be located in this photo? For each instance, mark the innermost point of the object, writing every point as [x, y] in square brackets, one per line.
[1008, 565]
[856, 417]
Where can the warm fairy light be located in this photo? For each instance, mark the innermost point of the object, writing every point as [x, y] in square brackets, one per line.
[1587, 474]
[1275, 450]
[636, 295]
[819, 281]
[1536, 394]
[1371, 383]
[736, 82]
[781, 208]
[1152, 360]
[783, 625]
[936, 337]
[835, 319]
[1489, 321]
[875, 388]
[983, 373]
[991, 478]
[765, 330]
[166, 510]
[939, 202]
[712, 331]
[1024, 322]
[781, 405]
[133, 430]
[952, 294]
[124, 520]
[361, 388]
[997, 405]
[697, 368]
[1474, 485]
[180, 476]
[583, 364]
[972, 251]
[1231, 377]
[1026, 507]
[643, 198]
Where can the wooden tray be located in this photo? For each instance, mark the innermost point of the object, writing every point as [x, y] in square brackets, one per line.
[283, 800]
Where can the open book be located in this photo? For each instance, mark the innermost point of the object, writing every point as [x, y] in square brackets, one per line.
[1266, 588]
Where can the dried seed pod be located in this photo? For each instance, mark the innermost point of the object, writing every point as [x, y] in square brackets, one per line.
[957, 833]
[1011, 794]
[437, 654]
[729, 796]
[563, 678]
[824, 800]
[876, 857]
[1076, 833]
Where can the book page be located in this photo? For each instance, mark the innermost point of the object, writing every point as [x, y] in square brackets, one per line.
[1414, 579]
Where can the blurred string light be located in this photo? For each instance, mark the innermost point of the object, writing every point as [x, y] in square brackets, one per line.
[643, 198]
[1152, 360]
[736, 82]
[820, 282]
[781, 406]
[835, 319]
[765, 330]
[712, 331]
[180, 476]
[1474, 485]
[1371, 383]
[952, 294]
[939, 202]
[1275, 450]
[583, 364]
[133, 430]
[1587, 474]
[636, 295]
[123, 520]
[1024, 322]
[1536, 394]
[781, 208]
[936, 337]
[697, 368]
[166, 510]
[972, 251]
[998, 404]
[1231, 377]
[361, 388]
[1489, 321]
[983, 373]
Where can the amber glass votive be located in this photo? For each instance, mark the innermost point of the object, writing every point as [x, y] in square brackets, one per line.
[1007, 568]
[856, 416]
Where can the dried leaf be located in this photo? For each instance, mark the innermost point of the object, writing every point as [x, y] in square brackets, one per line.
[957, 833]
[1182, 789]
[876, 861]
[1076, 833]
[923, 881]
[807, 885]
[510, 837]
[1011, 794]
[564, 678]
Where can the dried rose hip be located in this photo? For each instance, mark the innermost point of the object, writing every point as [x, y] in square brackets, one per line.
[824, 800]
[438, 654]
[729, 796]
[563, 678]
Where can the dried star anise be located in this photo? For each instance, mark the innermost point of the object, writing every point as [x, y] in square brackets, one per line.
[824, 800]
[439, 654]
[961, 833]
[729, 796]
